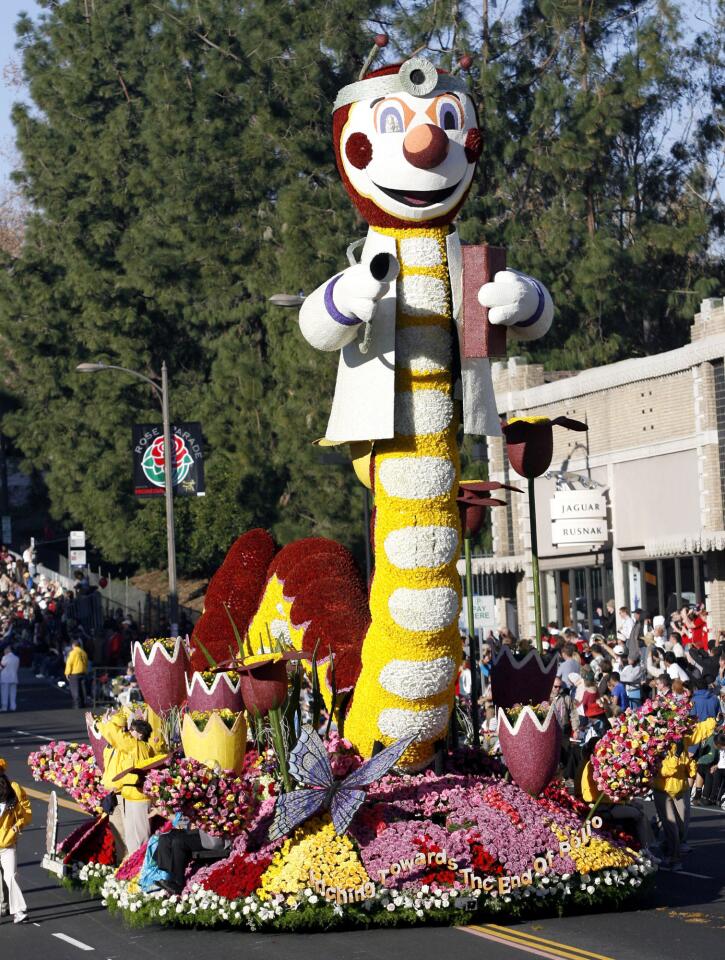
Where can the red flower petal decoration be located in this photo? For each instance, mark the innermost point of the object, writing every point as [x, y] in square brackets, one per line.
[530, 443]
[472, 502]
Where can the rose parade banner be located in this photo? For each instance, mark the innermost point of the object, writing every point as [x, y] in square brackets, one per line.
[187, 460]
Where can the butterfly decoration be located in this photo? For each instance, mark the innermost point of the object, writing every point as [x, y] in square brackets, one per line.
[310, 765]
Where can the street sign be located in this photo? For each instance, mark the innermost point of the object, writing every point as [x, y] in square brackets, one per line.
[77, 558]
[578, 505]
[77, 539]
[484, 613]
[578, 516]
[579, 531]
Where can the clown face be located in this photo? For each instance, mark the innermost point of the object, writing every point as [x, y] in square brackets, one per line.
[407, 158]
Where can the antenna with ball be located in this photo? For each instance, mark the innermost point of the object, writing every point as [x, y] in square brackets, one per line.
[381, 40]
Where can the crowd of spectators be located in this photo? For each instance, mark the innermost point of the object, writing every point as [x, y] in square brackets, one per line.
[42, 627]
[601, 675]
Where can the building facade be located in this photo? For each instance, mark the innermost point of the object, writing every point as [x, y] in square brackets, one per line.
[655, 454]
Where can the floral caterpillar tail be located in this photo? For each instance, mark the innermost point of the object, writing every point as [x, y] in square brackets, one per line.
[309, 596]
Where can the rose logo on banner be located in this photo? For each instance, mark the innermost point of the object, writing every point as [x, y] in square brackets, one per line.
[187, 458]
[153, 461]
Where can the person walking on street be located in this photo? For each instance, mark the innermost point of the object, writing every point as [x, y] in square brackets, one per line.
[15, 814]
[9, 680]
[76, 667]
[669, 788]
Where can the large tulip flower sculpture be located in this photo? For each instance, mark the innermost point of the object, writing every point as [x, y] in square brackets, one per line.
[530, 447]
[473, 499]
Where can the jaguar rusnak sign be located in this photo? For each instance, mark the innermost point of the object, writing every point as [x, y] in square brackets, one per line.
[187, 460]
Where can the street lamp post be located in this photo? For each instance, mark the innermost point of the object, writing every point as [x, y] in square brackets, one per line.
[163, 393]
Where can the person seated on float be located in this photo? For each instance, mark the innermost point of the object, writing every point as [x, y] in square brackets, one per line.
[128, 747]
[176, 848]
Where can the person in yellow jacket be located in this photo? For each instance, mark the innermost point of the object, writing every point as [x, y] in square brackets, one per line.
[128, 748]
[15, 814]
[671, 790]
[76, 668]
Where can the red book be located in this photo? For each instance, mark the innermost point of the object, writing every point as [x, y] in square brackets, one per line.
[481, 263]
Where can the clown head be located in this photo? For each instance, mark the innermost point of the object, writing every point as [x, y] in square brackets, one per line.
[406, 143]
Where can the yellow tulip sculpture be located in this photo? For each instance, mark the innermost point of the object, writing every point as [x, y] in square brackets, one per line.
[218, 743]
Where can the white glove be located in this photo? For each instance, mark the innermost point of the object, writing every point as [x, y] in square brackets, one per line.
[331, 315]
[512, 298]
[359, 289]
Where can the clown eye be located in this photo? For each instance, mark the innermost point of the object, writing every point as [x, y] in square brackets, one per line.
[391, 121]
[449, 117]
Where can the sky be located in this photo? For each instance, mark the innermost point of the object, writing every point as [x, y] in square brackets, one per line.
[9, 10]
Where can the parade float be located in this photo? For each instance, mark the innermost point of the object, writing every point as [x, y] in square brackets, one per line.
[307, 720]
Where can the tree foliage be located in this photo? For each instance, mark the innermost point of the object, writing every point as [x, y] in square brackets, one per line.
[177, 161]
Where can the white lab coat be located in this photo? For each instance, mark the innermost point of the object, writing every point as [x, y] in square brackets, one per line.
[364, 402]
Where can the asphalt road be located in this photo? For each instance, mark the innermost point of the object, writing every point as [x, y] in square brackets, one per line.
[684, 918]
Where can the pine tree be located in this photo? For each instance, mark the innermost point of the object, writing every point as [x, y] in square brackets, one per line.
[178, 163]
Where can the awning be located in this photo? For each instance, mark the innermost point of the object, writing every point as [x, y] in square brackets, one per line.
[512, 564]
[685, 544]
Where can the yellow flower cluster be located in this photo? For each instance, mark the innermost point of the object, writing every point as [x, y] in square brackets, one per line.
[202, 717]
[314, 846]
[597, 854]
[436, 639]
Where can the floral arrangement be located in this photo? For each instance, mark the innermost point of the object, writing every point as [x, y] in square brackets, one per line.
[344, 758]
[628, 756]
[540, 710]
[72, 767]
[209, 676]
[198, 906]
[315, 846]
[218, 802]
[202, 717]
[169, 644]
[412, 850]
[89, 843]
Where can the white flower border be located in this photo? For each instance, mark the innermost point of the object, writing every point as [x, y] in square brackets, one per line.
[172, 658]
[254, 914]
[198, 680]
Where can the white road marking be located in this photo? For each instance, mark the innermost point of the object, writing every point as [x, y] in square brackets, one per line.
[38, 736]
[74, 943]
[685, 873]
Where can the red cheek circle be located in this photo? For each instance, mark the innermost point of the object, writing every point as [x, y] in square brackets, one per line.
[473, 145]
[359, 150]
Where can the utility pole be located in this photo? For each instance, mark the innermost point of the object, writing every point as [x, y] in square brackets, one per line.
[169, 478]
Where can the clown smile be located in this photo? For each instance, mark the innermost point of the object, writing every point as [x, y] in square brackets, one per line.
[419, 198]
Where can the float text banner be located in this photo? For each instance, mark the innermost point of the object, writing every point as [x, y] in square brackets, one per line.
[481, 263]
[187, 460]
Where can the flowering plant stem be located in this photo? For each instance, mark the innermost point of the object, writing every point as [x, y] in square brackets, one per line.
[277, 730]
[472, 643]
[535, 563]
[593, 809]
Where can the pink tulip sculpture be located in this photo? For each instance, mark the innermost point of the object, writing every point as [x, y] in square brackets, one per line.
[530, 748]
[521, 681]
[222, 691]
[161, 674]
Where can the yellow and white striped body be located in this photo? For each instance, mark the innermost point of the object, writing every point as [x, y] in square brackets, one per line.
[412, 650]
